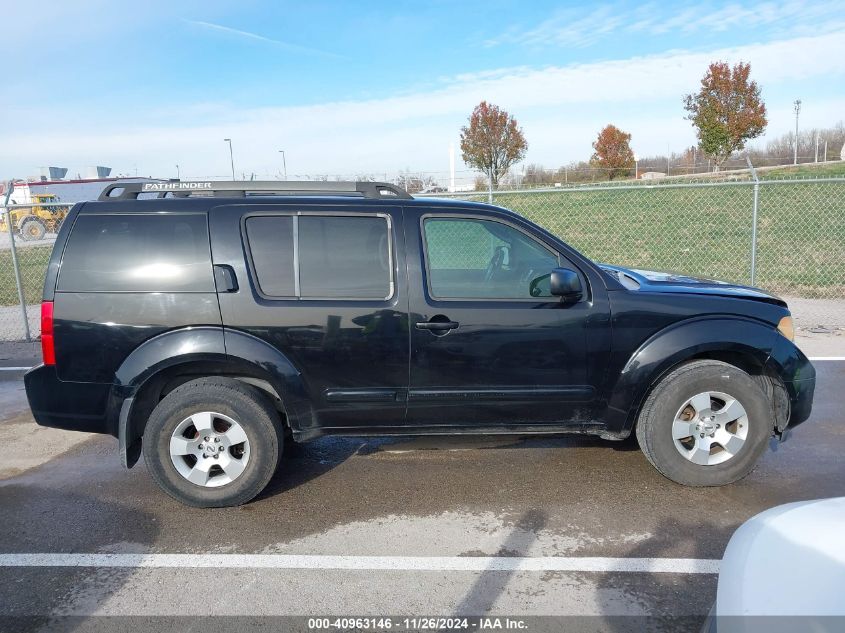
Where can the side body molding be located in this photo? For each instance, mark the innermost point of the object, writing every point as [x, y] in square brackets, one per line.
[680, 342]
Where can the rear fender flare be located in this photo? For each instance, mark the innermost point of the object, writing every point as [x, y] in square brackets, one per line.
[246, 355]
[676, 344]
[153, 356]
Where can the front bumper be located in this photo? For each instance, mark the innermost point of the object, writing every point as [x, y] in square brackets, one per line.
[799, 379]
[73, 406]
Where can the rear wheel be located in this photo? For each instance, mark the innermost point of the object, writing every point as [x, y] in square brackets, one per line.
[213, 442]
[707, 423]
[33, 229]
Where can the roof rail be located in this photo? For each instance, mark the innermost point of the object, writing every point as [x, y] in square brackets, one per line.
[241, 188]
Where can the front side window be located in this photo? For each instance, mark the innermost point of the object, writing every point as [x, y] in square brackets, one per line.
[321, 256]
[482, 259]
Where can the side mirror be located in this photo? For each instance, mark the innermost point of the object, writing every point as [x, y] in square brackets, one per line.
[566, 283]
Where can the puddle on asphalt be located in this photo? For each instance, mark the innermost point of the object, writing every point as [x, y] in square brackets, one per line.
[452, 534]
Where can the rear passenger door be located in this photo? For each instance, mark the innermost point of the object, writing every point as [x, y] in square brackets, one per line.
[326, 287]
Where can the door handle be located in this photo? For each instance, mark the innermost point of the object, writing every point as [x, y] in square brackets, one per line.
[443, 325]
[225, 279]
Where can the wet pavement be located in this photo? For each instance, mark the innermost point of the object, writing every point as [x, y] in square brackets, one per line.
[461, 497]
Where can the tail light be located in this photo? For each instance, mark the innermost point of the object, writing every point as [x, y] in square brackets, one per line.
[48, 349]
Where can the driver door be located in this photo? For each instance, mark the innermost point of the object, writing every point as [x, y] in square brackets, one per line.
[490, 346]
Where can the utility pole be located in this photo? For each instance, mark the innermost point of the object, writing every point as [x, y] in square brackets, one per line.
[797, 105]
[817, 146]
[284, 163]
[231, 156]
[451, 168]
[825, 151]
[667, 159]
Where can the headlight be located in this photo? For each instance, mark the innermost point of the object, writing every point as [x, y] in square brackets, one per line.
[786, 328]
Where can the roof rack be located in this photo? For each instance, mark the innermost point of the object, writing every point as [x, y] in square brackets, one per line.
[236, 188]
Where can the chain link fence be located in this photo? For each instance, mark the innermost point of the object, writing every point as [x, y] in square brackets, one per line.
[27, 234]
[708, 229]
[704, 229]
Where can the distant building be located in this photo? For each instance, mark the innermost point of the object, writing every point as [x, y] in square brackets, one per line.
[69, 191]
[652, 175]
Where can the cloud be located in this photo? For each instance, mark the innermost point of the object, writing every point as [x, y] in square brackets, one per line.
[560, 108]
[293, 48]
[575, 28]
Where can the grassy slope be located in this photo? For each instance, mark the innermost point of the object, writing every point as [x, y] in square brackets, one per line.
[806, 171]
[33, 264]
[707, 231]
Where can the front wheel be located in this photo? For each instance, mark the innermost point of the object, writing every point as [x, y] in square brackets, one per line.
[707, 423]
[213, 442]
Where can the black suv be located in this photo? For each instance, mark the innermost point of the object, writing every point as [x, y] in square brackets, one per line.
[206, 323]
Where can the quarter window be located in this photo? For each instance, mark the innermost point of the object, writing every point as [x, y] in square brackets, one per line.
[317, 256]
[137, 253]
[483, 259]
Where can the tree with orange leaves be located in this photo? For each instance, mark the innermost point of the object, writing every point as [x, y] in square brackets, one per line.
[613, 152]
[492, 142]
[727, 111]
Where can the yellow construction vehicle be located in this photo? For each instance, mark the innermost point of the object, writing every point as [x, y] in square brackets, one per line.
[34, 222]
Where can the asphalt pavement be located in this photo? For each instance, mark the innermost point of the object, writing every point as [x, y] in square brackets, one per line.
[563, 526]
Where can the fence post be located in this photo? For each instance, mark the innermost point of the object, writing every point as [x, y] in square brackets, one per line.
[754, 219]
[17, 269]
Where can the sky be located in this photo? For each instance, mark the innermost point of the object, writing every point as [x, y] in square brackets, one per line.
[372, 87]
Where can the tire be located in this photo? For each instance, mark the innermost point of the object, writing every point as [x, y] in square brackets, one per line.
[678, 404]
[32, 229]
[249, 448]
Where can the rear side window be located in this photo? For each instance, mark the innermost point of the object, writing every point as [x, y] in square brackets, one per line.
[137, 253]
[271, 243]
[321, 257]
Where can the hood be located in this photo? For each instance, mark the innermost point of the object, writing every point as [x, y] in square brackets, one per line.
[807, 571]
[655, 281]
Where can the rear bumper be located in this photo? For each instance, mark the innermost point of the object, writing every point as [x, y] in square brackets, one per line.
[73, 406]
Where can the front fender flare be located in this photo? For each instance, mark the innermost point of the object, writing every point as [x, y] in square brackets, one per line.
[680, 342]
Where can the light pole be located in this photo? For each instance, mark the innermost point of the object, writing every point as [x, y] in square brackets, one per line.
[797, 112]
[284, 163]
[178, 177]
[231, 156]
[636, 167]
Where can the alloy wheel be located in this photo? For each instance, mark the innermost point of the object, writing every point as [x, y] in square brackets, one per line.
[710, 428]
[209, 449]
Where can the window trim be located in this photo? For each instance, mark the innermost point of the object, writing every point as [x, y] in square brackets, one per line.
[296, 263]
[470, 216]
